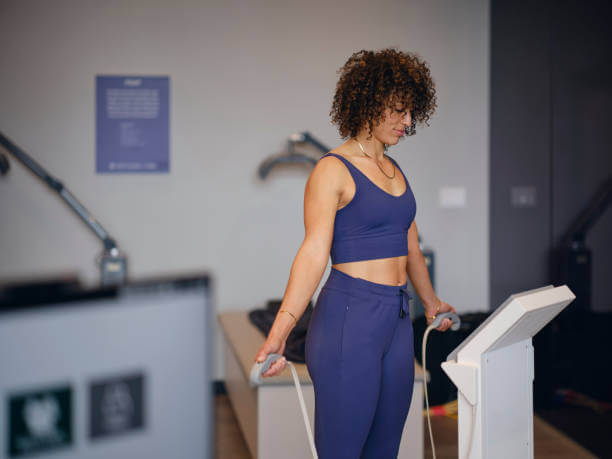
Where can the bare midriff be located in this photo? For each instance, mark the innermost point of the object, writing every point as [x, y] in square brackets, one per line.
[388, 271]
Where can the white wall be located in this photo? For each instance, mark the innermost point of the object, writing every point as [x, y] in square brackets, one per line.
[244, 75]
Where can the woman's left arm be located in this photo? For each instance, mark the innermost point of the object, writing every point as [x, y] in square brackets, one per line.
[416, 269]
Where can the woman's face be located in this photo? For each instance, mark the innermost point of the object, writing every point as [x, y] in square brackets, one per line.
[393, 126]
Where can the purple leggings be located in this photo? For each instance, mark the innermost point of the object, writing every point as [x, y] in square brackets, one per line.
[360, 356]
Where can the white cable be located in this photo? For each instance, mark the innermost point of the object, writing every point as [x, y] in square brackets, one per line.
[423, 353]
[298, 387]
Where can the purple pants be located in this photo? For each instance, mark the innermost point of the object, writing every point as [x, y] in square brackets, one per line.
[360, 356]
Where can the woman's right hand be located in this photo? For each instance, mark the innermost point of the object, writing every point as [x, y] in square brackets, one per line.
[272, 346]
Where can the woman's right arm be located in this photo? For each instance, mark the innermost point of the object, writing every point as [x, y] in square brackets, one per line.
[321, 197]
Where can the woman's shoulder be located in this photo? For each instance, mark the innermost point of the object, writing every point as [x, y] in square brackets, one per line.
[342, 153]
[333, 166]
[331, 162]
[338, 164]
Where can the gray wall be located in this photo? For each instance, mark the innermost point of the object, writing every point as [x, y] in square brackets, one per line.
[244, 75]
[551, 93]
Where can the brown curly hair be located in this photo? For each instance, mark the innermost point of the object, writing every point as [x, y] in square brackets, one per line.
[372, 81]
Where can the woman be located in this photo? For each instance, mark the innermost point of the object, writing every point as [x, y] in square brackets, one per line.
[359, 346]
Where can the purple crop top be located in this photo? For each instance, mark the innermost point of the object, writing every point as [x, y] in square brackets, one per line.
[374, 224]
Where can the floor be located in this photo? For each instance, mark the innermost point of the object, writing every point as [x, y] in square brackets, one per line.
[549, 442]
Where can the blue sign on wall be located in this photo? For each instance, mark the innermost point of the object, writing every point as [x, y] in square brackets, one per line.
[132, 124]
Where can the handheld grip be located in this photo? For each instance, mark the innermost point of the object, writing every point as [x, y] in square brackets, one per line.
[260, 367]
[451, 315]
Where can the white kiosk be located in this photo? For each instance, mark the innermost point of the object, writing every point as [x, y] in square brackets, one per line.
[493, 371]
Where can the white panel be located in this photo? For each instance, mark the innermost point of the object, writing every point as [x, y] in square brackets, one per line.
[280, 425]
[507, 402]
[165, 336]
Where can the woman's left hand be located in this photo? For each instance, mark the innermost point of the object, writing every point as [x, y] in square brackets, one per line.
[438, 307]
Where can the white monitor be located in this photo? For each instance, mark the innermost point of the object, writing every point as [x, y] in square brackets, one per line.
[521, 316]
[493, 370]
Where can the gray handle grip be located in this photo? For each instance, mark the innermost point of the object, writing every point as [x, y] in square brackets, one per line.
[450, 315]
[260, 367]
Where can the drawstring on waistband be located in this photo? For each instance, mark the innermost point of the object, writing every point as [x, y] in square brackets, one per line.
[405, 295]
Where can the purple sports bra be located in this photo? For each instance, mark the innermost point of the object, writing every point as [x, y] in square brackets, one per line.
[374, 224]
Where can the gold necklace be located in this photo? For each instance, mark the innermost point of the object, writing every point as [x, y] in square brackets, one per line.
[381, 169]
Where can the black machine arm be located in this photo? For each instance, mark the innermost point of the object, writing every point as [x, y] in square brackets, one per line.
[571, 259]
[306, 137]
[110, 246]
[292, 156]
[577, 232]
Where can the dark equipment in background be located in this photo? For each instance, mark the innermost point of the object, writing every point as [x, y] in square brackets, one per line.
[113, 263]
[571, 261]
[566, 350]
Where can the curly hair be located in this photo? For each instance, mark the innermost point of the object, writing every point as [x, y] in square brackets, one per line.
[372, 81]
